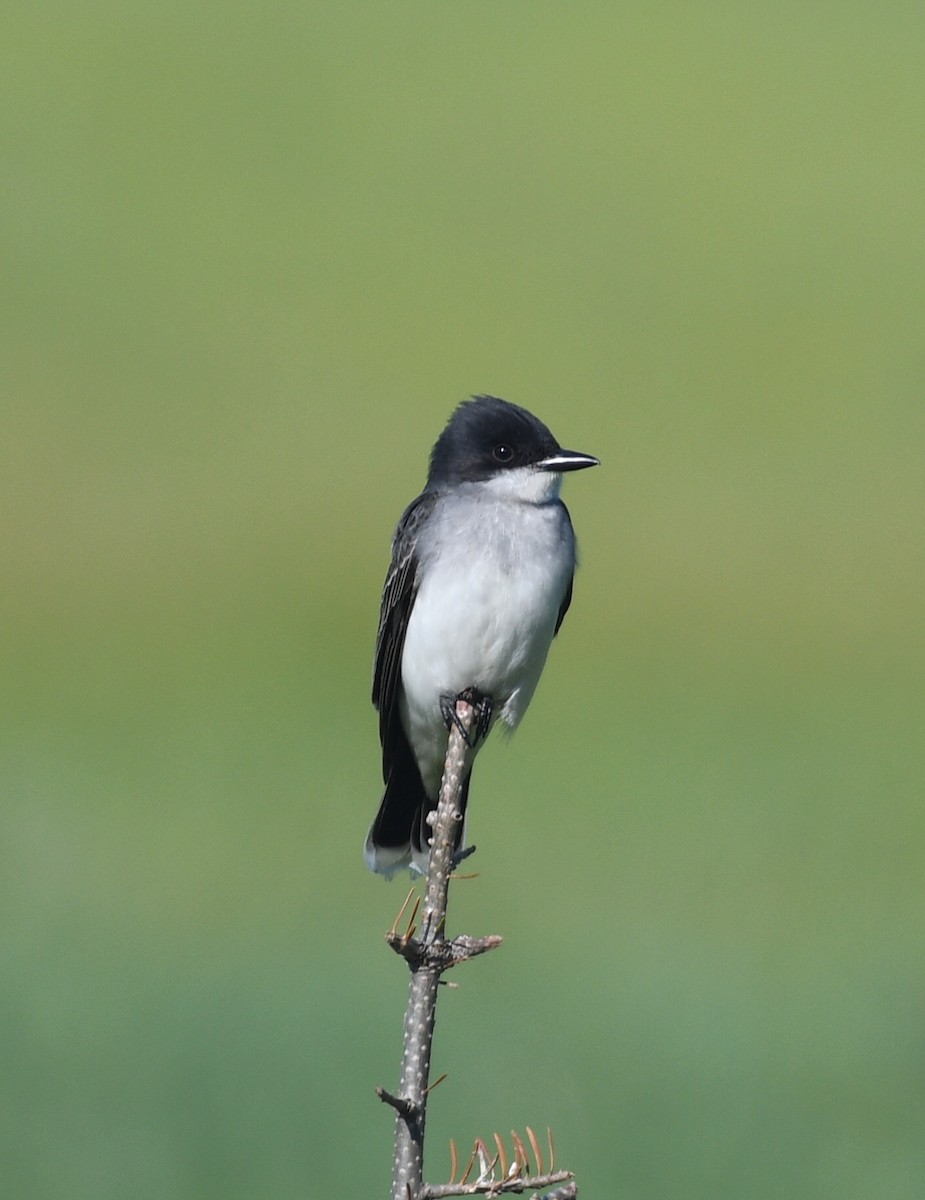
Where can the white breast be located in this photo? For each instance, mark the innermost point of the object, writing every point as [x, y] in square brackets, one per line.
[485, 613]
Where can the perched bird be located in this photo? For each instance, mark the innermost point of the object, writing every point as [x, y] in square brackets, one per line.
[480, 581]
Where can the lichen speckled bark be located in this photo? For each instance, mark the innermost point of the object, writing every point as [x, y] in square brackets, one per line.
[408, 1162]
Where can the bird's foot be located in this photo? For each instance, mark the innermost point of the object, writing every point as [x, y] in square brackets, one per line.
[483, 709]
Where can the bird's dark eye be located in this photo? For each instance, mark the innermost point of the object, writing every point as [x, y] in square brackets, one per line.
[503, 453]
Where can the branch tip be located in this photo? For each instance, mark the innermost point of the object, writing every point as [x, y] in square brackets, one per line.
[400, 1103]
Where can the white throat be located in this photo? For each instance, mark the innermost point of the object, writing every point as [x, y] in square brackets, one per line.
[525, 485]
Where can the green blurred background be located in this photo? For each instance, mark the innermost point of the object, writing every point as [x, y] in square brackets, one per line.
[252, 257]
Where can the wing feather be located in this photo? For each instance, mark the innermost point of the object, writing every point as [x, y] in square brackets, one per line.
[564, 606]
[398, 592]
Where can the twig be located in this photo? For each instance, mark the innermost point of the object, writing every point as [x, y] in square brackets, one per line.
[428, 957]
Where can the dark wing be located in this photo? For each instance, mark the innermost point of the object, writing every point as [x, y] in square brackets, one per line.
[398, 592]
[566, 601]
[567, 598]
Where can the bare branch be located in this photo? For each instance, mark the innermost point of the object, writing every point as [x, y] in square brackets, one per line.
[428, 957]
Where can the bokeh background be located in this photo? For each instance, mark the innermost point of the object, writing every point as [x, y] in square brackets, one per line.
[253, 255]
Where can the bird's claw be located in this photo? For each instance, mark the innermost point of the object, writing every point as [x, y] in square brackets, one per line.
[483, 707]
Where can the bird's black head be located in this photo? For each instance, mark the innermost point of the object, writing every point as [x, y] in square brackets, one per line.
[487, 436]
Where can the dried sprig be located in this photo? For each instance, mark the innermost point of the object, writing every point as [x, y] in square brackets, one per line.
[502, 1172]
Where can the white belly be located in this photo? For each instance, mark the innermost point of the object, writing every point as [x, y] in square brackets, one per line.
[484, 617]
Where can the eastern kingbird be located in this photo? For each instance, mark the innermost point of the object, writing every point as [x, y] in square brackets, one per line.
[480, 581]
